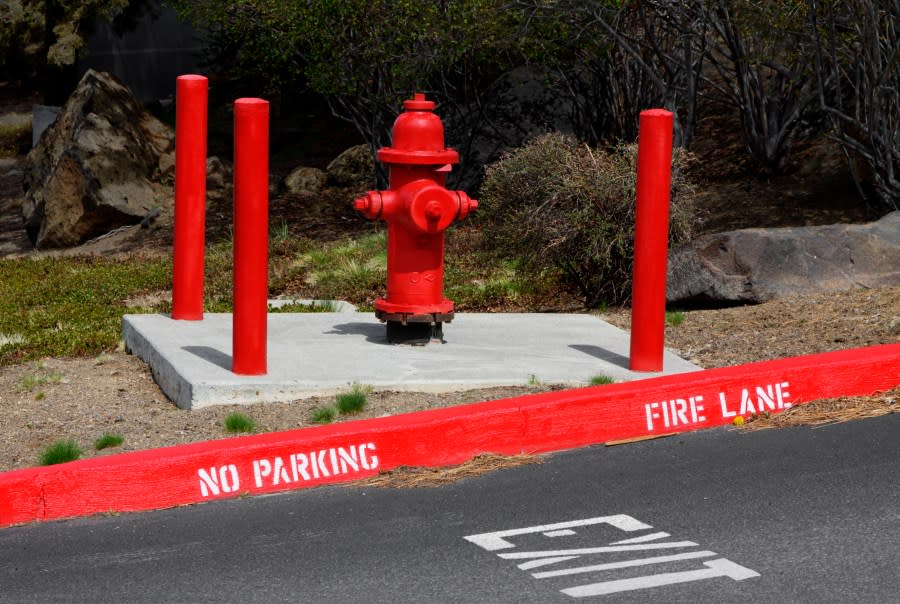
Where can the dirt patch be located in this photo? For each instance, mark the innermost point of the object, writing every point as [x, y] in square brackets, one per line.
[83, 399]
[783, 327]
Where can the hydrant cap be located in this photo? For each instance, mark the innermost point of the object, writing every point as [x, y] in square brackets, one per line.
[418, 103]
[418, 137]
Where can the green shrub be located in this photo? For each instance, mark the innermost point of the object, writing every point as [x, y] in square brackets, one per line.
[555, 204]
[60, 452]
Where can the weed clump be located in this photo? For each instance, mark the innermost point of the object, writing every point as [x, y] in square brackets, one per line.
[323, 415]
[674, 318]
[352, 402]
[600, 380]
[61, 451]
[238, 422]
[108, 440]
[558, 205]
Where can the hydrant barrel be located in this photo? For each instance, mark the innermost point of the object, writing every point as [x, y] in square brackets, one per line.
[417, 208]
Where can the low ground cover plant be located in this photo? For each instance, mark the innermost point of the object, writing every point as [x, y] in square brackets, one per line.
[69, 306]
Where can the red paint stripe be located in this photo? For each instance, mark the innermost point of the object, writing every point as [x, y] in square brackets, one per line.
[544, 422]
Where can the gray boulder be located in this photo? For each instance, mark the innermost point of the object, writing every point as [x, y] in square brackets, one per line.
[355, 167]
[750, 266]
[94, 169]
[305, 180]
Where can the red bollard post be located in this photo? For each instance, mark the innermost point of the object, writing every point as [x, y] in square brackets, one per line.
[251, 236]
[651, 240]
[190, 197]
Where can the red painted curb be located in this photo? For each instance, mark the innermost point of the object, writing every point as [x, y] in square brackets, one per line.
[544, 422]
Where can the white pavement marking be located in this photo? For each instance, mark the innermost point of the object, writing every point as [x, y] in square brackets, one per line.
[715, 568]
[644, 539]
[496, 540]
[544, 562]
[597, 550]
[562, 533]
[720, 567]
[622, 564]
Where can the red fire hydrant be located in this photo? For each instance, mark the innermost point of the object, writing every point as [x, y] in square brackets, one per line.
[417, 208]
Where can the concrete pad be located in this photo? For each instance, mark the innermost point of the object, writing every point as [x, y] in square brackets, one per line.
[312, 354]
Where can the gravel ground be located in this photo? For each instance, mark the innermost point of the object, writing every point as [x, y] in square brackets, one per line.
[82, 399]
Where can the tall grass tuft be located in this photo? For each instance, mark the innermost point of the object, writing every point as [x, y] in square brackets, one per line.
[61, 451]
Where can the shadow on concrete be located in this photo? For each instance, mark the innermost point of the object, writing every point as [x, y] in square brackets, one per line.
[602, 354]
[375, 333]
[207, 353]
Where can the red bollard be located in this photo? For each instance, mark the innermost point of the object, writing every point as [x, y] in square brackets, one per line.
[651, 240]
[251, 236]
[190, 197]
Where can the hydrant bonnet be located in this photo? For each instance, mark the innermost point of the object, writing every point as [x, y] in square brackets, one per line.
[418, 137]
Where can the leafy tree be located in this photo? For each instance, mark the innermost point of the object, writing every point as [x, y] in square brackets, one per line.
[366, 56]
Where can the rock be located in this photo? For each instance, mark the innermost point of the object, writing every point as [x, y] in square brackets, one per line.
[93, 170]
[218, 173]
[750, 266]
[894, 326]
[305, 180]
[355, 167]
[42, 117]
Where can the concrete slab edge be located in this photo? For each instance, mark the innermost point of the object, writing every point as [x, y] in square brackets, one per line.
[166, 375]
[538, 423]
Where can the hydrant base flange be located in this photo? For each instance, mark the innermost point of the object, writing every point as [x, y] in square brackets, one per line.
[414, 334]
[403, 318]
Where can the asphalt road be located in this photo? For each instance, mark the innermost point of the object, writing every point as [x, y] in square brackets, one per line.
[799, 515]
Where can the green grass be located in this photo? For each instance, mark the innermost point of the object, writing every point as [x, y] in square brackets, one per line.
[348, 265]
[108, 440]
[315, 306]
[39, 377]
[674, 318]
[61, 451]
[599, 380]
[323, 415]
[238, 422]
[349, 403]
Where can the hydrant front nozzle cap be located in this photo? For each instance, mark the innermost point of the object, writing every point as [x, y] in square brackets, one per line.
[418, 103]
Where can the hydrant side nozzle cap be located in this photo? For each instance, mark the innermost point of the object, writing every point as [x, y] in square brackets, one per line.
[418, 103]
